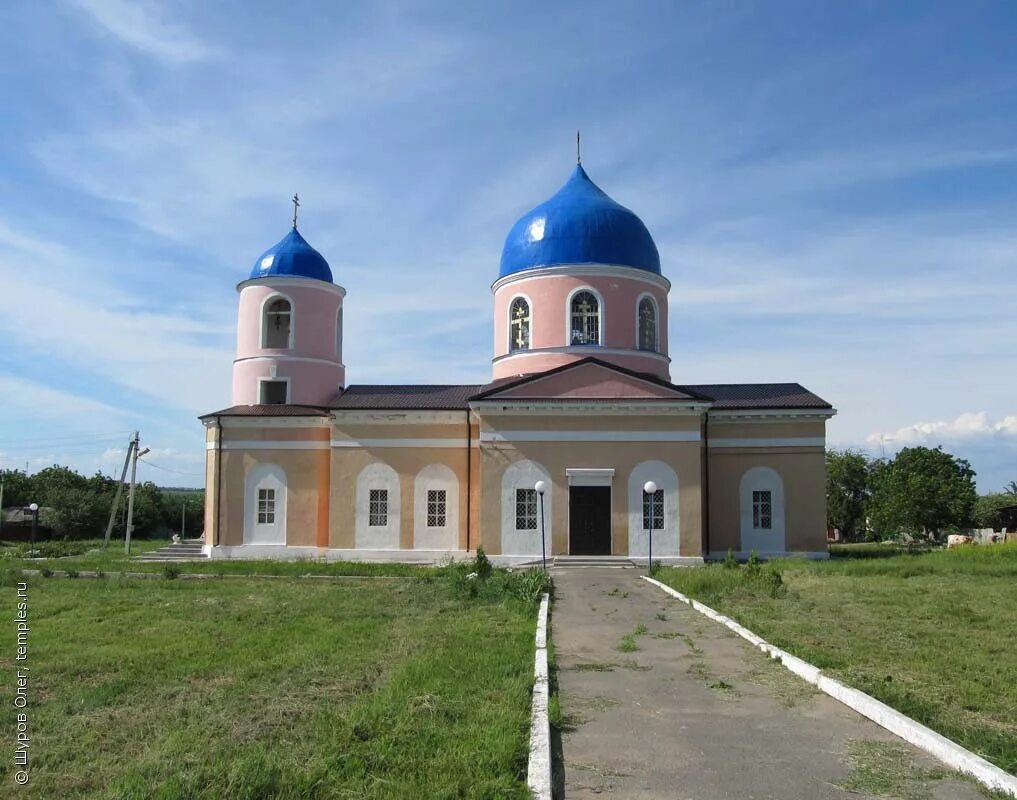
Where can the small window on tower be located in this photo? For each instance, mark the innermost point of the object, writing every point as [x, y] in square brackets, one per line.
[585, 313]
[276, 328]
[519, 325]
[647, 324]
[273, 393]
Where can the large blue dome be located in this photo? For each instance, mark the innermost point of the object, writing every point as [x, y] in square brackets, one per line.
[292, 257]
[579, 225]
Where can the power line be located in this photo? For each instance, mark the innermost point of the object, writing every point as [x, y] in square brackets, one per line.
[167, 469]
[77, 437]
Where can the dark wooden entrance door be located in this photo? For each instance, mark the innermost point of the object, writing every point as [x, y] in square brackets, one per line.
[590, 520]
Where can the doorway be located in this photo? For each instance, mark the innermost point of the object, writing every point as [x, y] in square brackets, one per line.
[590, 520]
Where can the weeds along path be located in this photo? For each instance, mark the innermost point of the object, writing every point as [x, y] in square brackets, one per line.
[657, 701]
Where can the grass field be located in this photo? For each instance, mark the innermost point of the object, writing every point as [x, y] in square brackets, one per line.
[934, 635]
[87, 555]
[275, 689]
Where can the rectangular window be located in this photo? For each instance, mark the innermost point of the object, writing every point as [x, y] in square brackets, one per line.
[526, 509]
[436, 508]
[266, 506]
[377, 512]
[273, 393]
[762, 511]
[653, 511]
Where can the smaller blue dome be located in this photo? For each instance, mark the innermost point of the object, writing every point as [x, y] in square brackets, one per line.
[580, 224]
[292, 257]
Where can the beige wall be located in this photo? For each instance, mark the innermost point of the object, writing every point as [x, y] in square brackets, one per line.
[321, 483]
[348, 462]
[803, 471]
[556, 457]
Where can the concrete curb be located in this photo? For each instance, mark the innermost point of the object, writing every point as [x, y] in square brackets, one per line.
[947, 751]
[538, 772]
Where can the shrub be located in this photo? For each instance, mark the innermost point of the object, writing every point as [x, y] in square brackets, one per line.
[482, 565]
[730, 562]
[170, 571]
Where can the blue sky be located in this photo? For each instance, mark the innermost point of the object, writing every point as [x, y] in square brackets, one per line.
[832, 187]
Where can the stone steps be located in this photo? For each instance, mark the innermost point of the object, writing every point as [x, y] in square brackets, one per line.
[187, 550]
[593, 561]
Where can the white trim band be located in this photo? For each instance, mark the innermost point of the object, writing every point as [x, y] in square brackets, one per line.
[589, 436]
[585, 270]
[950, 753]
[791, 441]
[399, 442]
[583, 350]
[258, 444]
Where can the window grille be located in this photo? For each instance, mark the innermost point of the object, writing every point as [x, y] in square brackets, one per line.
[653, 511]
[377, 511]
[266, 506]
[519, 325]
[762, 510]
[436, 508]
[277, 324]
[585, 313]
[647, 325]
[526, 509]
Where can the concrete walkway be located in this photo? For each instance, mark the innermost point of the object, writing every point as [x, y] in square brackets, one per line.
[695, 713]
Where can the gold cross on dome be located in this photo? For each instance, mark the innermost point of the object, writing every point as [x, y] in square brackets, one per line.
[296, 205]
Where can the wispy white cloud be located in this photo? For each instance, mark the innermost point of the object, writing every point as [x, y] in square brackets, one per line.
[143, 25]
[971, 425]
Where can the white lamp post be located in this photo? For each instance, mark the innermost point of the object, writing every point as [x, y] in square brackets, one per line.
[540, 488]
[649, 489]
[34, 508]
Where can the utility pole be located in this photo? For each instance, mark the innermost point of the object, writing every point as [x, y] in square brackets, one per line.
[120, 489]
[135, 455]
[183, 518]
[1, 503]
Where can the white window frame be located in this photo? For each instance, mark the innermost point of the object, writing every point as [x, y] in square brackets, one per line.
[377, 475]
[528, 524]
[656, 323]
[437, 508]
[516, 541]
[666, 540]
[265, 506]
[653, 520]
[529, 305]
[445, 537]
[601, 317]
[262, 329]
[259, 477]
[381, 504]
[758, 515]
[765, 541]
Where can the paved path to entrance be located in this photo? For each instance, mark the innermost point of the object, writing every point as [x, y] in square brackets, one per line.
[695, 713]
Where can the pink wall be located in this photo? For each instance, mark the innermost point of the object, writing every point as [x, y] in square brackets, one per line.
[314, 311]
[548, 296]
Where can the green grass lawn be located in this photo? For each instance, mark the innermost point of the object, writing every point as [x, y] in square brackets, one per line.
[88, 555]
[275, 689]
[934, 635]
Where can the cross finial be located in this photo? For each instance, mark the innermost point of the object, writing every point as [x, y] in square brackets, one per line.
[296, 205]
[579, 157]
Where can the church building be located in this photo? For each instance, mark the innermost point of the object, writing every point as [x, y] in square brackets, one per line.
[580, 440]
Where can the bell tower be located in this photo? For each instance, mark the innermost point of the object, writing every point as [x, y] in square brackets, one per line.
[289, 328]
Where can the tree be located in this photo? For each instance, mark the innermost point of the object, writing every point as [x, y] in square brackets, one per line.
[846, 491]
[1011, 488]
[988, 507]
[17, 488]
[922, 491]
